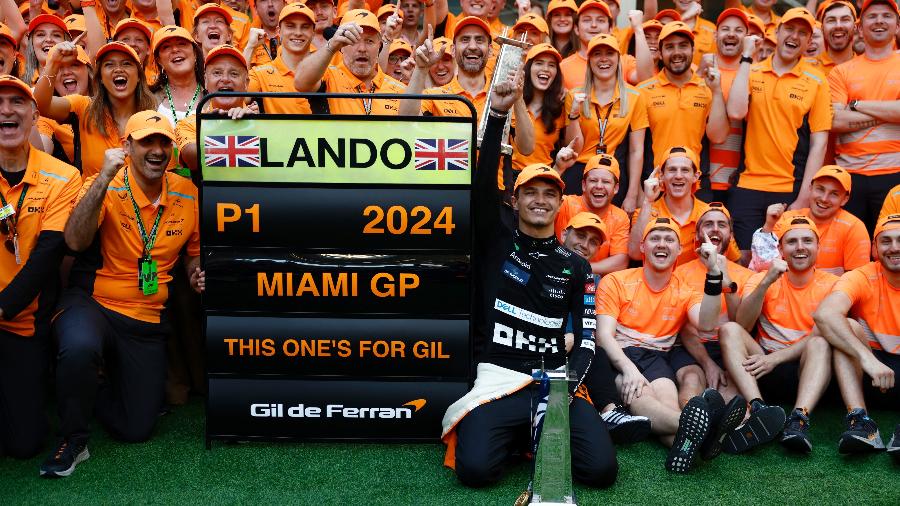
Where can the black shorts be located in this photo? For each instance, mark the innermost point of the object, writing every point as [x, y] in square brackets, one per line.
[748, 208]
[874, 396]
[655, 364]
[714, 350]
[781, 384]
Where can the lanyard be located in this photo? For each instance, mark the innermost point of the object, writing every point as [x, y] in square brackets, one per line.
[602, 124]
[190, 106]
[148, 241]
[15, 217]
[367, 102]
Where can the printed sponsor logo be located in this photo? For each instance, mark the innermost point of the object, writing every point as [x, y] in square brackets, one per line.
[553, 292]
[277, 410]
[522, 263]
[507, 336]
[515, 274]
[527, 316]
[589, 300]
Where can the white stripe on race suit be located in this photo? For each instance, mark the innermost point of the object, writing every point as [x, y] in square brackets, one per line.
[889, 343]
[779, 337]
[527, 316]
[629, 337]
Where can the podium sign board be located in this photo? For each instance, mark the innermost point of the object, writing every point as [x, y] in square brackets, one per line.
[338, 291]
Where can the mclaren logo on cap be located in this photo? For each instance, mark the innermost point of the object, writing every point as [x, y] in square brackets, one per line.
[171, 29]
[543, 168]
[154, 118]
[596, 220]
[362, 14]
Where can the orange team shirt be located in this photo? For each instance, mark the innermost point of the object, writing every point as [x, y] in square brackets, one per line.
[874, 302]
[153, 23]
[574, 67]
[371, 5]
[93, 143]
[874, 150]
[704, 39]
[725, 158]
[185, 133]
[635, 118]
[786, 316]
[618, 226]
[276, 77]
[826, 63]
[844, 242]
[777, 108]
[677, 114]
[261, 54]
[455, 107]
[644, 318]
[693, 274]
[660, 209]
[891, 203]
[774, 19]
[544, 142]
[62, 133]
[339, 79]
[113, 281]
[52, 187]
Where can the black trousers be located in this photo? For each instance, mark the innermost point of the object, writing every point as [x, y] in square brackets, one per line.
[868, 196]
[487, 436]
[748, 208]
[23, 422]
[601, 381]
[110, 365]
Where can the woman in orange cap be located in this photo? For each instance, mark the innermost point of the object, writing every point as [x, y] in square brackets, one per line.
[44, 32]
[179, 85]
[561, 18]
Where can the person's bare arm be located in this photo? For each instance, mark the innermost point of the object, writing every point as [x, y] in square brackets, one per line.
[165, 12]
[652, 192]
[751, 305]
[425, 57]
[885, 111]
[95, 37]
[845, 120]
[55, 108]
[13, 19]
[85, 219]
[610, 264]
[739, 97]
[642, 55]
[633, 381]
[311, 69]
[717, 125]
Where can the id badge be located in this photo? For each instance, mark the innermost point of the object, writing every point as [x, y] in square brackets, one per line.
[7, 211]
[601, 149]
[148, 281]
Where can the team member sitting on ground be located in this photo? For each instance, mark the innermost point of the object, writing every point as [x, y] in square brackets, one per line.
[860, 320]
[639, 312]
[790, 350]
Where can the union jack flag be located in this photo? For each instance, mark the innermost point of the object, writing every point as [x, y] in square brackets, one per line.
[231, 151]
[442, 154]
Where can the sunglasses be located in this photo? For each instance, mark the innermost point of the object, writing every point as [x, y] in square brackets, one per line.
[8, 228]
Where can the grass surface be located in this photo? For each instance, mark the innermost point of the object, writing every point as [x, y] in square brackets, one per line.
[175, 467]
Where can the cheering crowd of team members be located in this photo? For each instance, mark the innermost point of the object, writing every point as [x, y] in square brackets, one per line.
[748, 169]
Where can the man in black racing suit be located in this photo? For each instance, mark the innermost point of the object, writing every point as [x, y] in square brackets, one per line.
[528, 285]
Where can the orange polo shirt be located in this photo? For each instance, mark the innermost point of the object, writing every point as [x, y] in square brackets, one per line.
[891, 203]
[704, 39]
[844, 242]
[634, 118]
[660, 209]
[574, 67]
[112, 278]
[276, 77]
[677, 114]
[618, 226]
[62, 133]
[51, 188]
[185, 133]
[645, 318]
[693, 274]
[874, 302]
[826, 63]
[774, 19]
[455, 107]
[93, 143]
[544, 141]
[874, 150]
[786, 315]
[339, 79]
[777, 108]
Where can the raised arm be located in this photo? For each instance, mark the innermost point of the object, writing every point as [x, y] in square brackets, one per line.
[751, 305]
[82, 225]
[310, 71]
[56, 108]
[739, 97]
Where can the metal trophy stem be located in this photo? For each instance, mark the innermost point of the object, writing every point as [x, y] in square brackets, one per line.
[552, 481]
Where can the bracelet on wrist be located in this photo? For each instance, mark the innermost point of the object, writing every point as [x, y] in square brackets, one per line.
[746, 59]
[573, 118]
[714, 277]
[712, 288]
[497, 114]
[88, 3]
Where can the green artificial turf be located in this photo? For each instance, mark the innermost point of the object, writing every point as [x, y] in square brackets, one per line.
[176, 468]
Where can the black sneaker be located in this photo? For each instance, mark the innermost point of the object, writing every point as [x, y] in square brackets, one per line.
[763, 426]
[795, 436]
[63, 460]
[731, 415]
[861, 435]
[693, 426]
[624, 427]
[893, 448]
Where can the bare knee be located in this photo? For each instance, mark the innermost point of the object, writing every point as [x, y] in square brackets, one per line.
[731, 335]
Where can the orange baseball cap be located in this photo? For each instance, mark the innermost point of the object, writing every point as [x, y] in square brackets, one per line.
[532, 19]
[889, 222]
[213, 7]
[738, 13]
[75, 23]
[41, 19]
[790, 222]
[389, 9]
[869, 3]
[602, 161]
[147, 123]
[440, 42]
[538, 171]
[225, 50]
[595, 4]
[82, 56]
[603, 39]
[715, 206]
[363, 18]
[652, 24]
[137, 24]
[561, 4]
[830, 4]
[121, 47]
[543, 48]
[676, 27]
[666, 223]
[298, 10]
[6, 34]
[756, 22]
[667, 13]
[585, 219]
[8, 81]
[770, 35]
[800, 13]
[471, 21]
[682, 151]
[839, 173]
[169, 32]
[400, 45]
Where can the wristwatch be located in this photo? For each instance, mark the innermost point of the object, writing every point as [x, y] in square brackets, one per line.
[730, 287]
[852, 105]
[746, 59]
